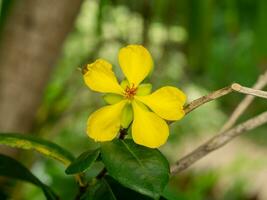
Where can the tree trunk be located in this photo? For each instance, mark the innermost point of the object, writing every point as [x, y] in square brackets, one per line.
[30, 44]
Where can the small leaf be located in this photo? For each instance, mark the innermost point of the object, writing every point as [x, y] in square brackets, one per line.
[83, 162]
[44, 147]
[137, 167]
[13, 169]
[101, 190]
[144, 89]
[112, 98]
[126, 116]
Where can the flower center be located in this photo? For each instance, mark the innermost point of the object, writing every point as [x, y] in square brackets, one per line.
[129, 92]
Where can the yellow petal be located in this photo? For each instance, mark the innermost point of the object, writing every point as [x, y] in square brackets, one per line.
[104, 124]
[167, 102]
[99, 77]
[135, 62]
[148, 129]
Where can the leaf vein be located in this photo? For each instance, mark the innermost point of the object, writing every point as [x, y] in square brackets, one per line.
[133, 154]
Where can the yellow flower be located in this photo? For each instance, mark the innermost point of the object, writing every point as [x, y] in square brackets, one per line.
[150, 111]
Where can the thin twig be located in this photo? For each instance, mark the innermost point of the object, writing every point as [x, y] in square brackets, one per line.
[207, 98]
[225, 135]
[244, 104]
[235, 87]
[217, 142]
[250, 91]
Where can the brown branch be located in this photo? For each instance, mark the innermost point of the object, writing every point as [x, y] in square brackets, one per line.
[217, 142]
[225, 135]
[244, 104]
[235, 87]
[250, 91]
[207, 98]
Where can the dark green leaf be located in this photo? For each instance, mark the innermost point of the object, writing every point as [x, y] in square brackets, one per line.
[137, 167]
[13, 169]
[108, 188]
[122, 192]
[101, 190]
[47, 148]
[83, 162]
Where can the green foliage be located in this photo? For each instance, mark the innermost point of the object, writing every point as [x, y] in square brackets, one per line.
[13, 169]
[99, 191]
[110, 189]
[83, 162]
[136, 167]
[139, 168]
[32, 143]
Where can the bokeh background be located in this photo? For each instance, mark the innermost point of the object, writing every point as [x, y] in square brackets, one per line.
[198, 46]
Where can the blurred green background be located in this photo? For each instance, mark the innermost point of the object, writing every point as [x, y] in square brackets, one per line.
[198, 46]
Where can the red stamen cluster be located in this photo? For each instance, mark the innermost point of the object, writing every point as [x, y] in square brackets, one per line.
[130, 92]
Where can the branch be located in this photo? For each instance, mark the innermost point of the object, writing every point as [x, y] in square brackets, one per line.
[205, 99]
[244, 104]
[225, 135]
[217, 142]
[235, 87]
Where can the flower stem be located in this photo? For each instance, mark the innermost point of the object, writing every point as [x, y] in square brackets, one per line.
[123, 133]
[102, 173]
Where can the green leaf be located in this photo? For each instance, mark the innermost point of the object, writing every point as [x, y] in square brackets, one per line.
[13, 169]
[122, 192]
[42, 146]
[100, 190]
[137, 167]
[108, 188]
[83, 162]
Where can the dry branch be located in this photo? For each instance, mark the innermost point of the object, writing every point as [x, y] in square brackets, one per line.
[217, 142]
[244, 104]
[225, 135]
[207, 98]
[235, 87]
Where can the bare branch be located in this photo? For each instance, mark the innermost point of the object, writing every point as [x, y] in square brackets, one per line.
[205, 99]
[225, 135]
[245, 90]
[217, 142]
[240, 109]
[235, 87]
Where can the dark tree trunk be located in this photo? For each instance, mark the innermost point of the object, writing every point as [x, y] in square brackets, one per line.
[31, 40]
